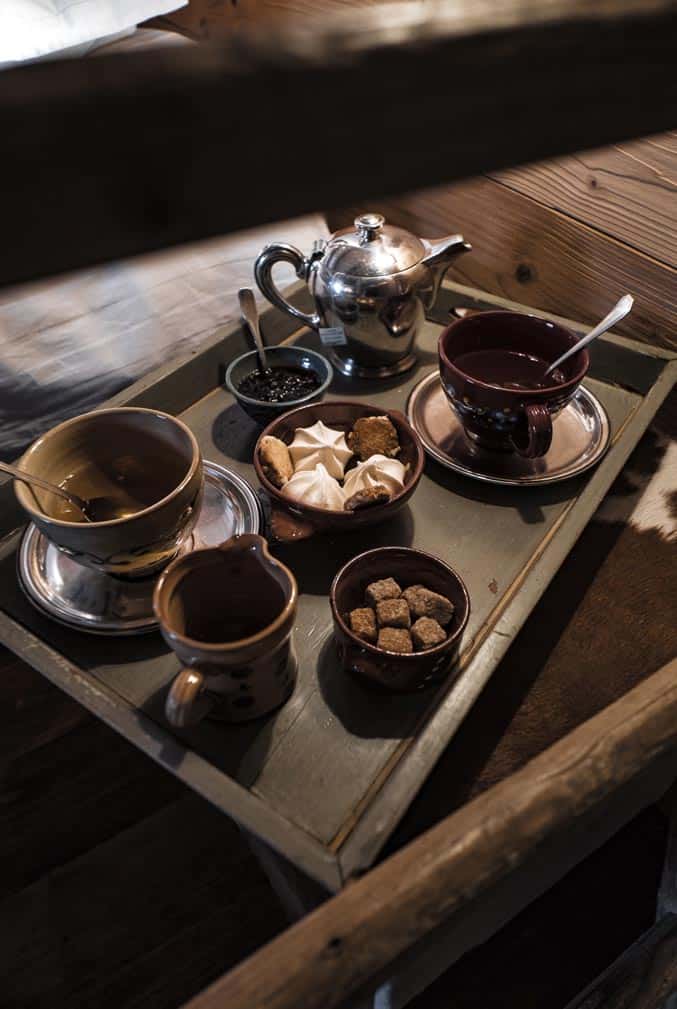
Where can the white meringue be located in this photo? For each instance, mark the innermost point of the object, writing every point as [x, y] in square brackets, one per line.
[315, 487]
[320, 444]
[377, 469]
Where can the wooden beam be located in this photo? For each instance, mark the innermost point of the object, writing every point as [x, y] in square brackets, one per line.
[122, 154]
[644, 977]
[540, 257]
[354, 938]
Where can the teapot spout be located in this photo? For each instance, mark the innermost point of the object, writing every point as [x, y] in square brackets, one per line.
[440, 252]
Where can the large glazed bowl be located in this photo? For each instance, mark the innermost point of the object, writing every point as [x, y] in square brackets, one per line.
[149, 456]
[341, 415]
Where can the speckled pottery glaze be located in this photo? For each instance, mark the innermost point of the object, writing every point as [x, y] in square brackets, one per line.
[508, 420]
[394, 670]
[227, 613]
[141, 543]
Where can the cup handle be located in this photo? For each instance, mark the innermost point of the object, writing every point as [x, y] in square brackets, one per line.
[187, 701]
[534, 436]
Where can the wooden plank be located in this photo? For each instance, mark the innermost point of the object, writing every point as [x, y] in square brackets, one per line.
[627, 191]
[61, 798]
[32, 711]
[335, 951]
[667, 893]
[645, 977]
[174, 754]
[146, 917]
[529, 253]
[123, 135]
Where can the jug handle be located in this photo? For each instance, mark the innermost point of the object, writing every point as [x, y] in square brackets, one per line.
[281, 252]
[187, 701]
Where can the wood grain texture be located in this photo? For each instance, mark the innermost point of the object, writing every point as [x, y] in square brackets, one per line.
[124, 134]
[627, 191]
[321, 961]
[214, 20]
[529, 253]
[144, 918]
[88, 777]
[645, 977]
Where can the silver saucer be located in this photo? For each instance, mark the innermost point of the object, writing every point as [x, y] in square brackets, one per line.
[580, 437]
[101, 604]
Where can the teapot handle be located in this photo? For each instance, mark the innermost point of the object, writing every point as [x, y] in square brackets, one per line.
[281, 252]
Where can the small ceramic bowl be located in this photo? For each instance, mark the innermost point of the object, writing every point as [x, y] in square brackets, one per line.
[407, 566]
[157, 460]
[289, 357]
[341, 415]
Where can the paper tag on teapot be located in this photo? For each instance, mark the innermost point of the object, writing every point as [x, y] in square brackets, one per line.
[333, 336]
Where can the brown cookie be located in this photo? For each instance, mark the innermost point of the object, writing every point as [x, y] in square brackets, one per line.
[373, 436]
[368, 497]
[275, 460]
[426, 633]
[395, 639]
[425, 603]
[363, 623]
[387, 588]
[393, 613]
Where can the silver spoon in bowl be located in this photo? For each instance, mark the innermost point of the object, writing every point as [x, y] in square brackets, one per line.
[82, 506]
[618, 312]
[250, 315]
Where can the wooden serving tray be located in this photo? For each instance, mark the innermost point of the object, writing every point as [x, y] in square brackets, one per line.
[325, 780]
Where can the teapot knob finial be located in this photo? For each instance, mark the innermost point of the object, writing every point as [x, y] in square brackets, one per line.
[368, 226]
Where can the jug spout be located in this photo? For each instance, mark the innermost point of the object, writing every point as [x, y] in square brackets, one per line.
[439, 254]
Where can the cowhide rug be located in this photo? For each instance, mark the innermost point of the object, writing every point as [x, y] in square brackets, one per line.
[608, 620]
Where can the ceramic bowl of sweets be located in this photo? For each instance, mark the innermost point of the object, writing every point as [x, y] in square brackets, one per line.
[295, 376]
[399, 615]
[338, 465]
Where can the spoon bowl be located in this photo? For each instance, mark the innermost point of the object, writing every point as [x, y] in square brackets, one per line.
[35, 481]
[139, 472]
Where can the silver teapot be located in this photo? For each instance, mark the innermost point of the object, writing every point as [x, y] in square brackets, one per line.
[372, 286]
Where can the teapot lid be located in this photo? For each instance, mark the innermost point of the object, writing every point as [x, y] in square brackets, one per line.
[372, 249]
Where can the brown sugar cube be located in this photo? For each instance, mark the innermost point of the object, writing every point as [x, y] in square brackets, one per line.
[393, 613]
[425, 603]
[275, 460]
[363, 623]
[426, 633]
[387, 588]
[373, 436]
[368, 497]
[394, 639]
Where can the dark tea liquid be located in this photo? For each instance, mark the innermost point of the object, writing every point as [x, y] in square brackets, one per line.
[509, 369]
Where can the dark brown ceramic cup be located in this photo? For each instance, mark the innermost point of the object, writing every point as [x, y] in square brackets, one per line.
[228, 613]
[147, 457]
[512, 420]
[407, 566]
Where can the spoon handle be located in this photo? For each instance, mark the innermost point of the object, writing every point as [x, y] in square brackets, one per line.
[618, 312]
[250, 316]
[30, 479]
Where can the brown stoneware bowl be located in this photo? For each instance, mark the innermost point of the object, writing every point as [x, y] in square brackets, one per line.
[408, 567]
[292, 520]
[148, 458]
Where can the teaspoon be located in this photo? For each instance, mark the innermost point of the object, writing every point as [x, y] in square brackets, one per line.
[250, 315]
[618, 312]
[19, 474]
